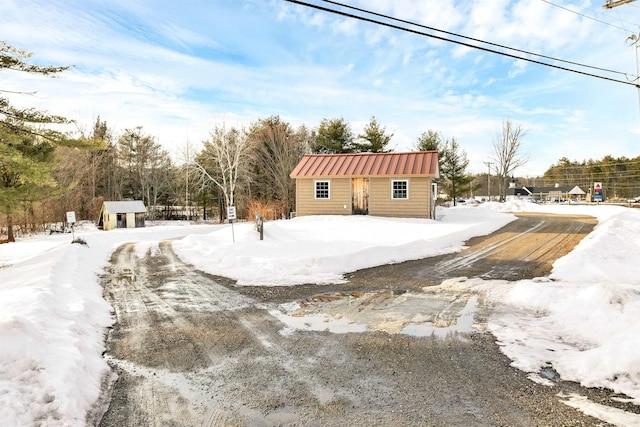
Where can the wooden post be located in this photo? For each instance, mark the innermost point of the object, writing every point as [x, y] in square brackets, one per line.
[260, 225]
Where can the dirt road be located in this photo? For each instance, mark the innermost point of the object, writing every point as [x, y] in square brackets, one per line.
[191, 350]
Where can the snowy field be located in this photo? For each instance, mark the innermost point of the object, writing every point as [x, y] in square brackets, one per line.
[583, 320]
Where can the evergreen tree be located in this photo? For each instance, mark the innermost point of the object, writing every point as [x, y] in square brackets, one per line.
[374, 139]
[453, 168]
[27, 143]
[24, 121]
[334, 136]
[430, 140]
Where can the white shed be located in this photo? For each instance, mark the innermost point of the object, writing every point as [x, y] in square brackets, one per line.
[127, 214]
[576, 193]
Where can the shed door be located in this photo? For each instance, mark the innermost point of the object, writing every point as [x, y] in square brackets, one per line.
[121, 221]
[139, 219]
[360, 196]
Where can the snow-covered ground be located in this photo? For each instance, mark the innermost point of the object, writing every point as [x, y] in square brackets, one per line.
[584, 319]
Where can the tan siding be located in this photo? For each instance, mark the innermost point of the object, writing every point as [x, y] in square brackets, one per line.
[417, 206]
[109, 221]
[339, 202]
[380, 202]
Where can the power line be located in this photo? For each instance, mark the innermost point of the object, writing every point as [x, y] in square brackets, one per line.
[470, 38]
[595, 164]
[585, 16]
[605, 174]
[409, 30]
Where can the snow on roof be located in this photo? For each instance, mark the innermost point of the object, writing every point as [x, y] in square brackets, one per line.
[576, 190]
[135, 206]
[417, 163]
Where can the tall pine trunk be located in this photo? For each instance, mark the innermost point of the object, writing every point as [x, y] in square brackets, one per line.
[10, 237]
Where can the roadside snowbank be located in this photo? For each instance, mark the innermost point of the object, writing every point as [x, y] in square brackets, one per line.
[320, 249]
[584, 321]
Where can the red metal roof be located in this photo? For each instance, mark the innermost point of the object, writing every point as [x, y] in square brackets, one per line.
[368, 164]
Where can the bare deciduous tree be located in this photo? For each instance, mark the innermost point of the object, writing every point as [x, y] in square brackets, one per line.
[277, 151]
[145, 165]
[224, 157]
[507, 145]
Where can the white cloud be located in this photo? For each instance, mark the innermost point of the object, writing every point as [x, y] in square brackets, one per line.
[177, 70]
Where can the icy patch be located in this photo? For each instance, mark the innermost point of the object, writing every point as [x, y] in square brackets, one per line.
[465, 323]
[610, 415]
[439, 311]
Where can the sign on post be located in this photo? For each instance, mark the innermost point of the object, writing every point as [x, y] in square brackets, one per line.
[597, 191]
[71, 217]
[231, 215]
[231, 212]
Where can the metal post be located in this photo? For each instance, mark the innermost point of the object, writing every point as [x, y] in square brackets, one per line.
[488, 180]
[233, 236]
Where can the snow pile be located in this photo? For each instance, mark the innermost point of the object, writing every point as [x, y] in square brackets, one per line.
[50, 323]
[320, 249]
[584, 322]
[53, 321]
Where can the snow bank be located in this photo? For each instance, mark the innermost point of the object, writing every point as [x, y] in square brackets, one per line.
[585, 321]
[53, 321]
[320, 249]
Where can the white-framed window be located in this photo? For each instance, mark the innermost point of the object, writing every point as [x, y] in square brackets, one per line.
[400, 189]
[322, 190]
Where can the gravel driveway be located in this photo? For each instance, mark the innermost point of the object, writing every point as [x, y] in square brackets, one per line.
[190, 349]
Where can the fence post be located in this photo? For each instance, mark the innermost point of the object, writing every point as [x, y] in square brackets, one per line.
[260, 225]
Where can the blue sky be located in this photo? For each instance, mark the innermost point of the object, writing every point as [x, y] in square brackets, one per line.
[180, 68]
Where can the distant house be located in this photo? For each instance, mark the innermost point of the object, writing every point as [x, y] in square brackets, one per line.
[521, 193]
[127, 214]
[381, 184]
[576, 193]
[557, 193]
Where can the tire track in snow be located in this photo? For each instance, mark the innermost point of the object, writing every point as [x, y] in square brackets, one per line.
[448, 266]
[157, 340]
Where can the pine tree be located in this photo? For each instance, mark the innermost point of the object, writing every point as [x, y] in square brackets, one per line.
[429, 140]
[374, 139]
[453, 168]
[27, 143]
[333, 137]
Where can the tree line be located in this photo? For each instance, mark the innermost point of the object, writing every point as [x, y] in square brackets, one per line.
[620, 176]
[45, 172]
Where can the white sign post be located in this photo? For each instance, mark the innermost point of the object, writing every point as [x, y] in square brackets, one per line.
[71, 219]
[231, 215]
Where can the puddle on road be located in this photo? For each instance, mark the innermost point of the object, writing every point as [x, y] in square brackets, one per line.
[438, 310]
[465, 322]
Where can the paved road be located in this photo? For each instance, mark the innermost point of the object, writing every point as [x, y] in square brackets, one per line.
[190, 349]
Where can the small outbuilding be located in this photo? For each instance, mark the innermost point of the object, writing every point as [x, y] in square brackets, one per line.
[381, 184]
[126, 214]
[576, 193]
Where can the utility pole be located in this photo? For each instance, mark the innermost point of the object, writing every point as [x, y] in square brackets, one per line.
[633, 40]
[610, 4]
[488, 180]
